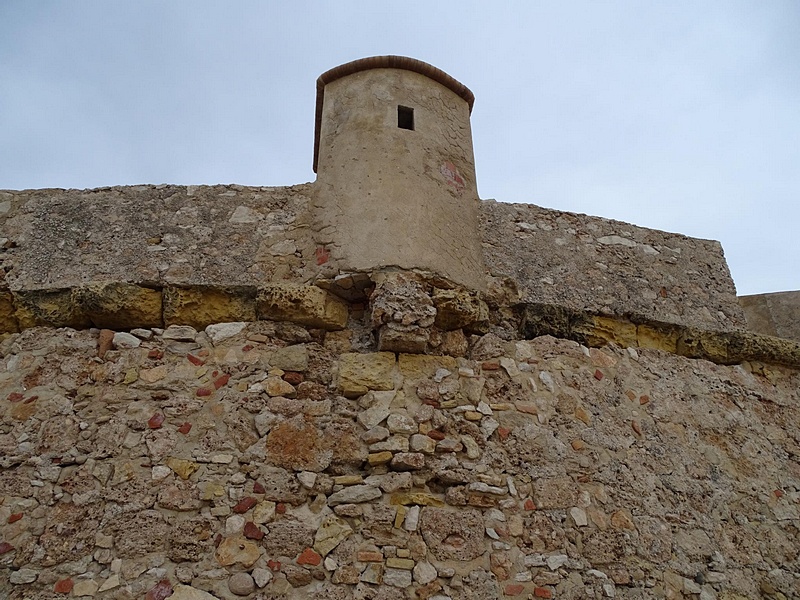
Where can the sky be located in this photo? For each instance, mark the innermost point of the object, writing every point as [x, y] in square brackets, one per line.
[677, 115]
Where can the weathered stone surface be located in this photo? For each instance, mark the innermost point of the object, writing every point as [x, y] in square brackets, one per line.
[219, 332]
[452, 534]
[307, 305]
[120, 305]
[241, 584]
[332, 532]
[187, 592]
[288, 538]
[237, 550]
[354, 494]
[200, 306]
[360, 373]
[458, 308]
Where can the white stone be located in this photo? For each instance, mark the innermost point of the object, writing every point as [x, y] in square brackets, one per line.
[110, 583]
[548, 382]
[609, 590]
[401, 424]
[330, 564]
[411, 522]
[440, 375]
[180, 333]
[399, 578]
[579, 516]
[485, 488]
[234, 524]
[122, 339]
[144, 334]
[85, 587]
[615, 240]
[373, 416]
[307, 479]
[488, 427]
[471, 447]
[160, 472]
[354, 494]
[23, 576]
[219, 332]
[262, 577]
[557, 560]
[510, 366]
[185, 592]
[424, 572]
[484, 408]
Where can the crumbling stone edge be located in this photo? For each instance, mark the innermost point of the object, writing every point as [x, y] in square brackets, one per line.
[122, 306]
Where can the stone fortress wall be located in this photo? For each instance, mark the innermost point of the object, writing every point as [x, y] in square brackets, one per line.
[376, 385]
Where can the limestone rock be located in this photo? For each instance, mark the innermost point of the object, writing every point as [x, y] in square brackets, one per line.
[307, 305]
[354, 494]
[330, 534]
[219, 332]
[237, 550]
[202, 306]
[187, 592]
[452, 534]
[360, 373]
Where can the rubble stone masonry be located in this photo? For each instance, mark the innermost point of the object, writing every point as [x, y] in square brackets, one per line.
[376, 386]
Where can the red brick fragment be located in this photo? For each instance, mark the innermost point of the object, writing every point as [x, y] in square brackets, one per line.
[155, 354]
[293, 377]
[644, 399]
[245, 504]
[258, 488]
[369, 556]
[598, 374]
[662, 292]
[156, 421]
[204, 391]
[437, 435]
[280, 508]
[247, 347]
[514, 589]
[309, 557]
[221, 381]
[431, 402]
[160, 591]
[217, 540]
[490, 365]
[64, 586]
[5, 547]
[195, 360]
[503, 432]
[541, 592]
[15, 397]
[31, 399]
[778, 494]
[322, 255]
[105, 342]
[185, 428]
[252, 531]
[15, 517]
[274, 565]
[529, 505]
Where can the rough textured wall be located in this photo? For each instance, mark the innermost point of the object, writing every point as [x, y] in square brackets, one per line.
[609, 267]
[388, 196]
[775, 314]
[273, 461]
[155, 235]
[213, 240]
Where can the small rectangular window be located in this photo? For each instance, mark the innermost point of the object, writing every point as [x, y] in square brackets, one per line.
[405, 117]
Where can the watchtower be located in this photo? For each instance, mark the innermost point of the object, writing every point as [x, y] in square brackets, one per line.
[395, 169]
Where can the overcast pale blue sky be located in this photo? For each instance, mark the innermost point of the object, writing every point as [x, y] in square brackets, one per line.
[679, 115]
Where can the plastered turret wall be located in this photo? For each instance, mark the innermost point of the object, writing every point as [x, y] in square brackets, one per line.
[395, 169]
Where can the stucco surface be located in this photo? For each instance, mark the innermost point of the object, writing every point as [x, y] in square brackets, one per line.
[388, 196]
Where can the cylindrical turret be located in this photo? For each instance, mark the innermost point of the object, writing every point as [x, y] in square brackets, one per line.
[395, 169]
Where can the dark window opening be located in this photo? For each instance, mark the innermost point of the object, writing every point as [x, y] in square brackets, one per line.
[405, 117]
